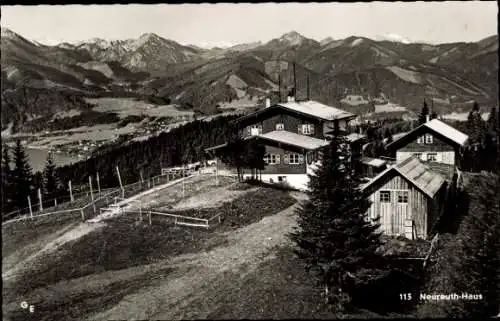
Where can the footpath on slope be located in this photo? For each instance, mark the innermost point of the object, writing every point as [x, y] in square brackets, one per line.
[246, 249]
[84, 228]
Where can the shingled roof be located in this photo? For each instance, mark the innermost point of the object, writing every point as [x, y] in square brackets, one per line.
[310, 108]
[417, 173]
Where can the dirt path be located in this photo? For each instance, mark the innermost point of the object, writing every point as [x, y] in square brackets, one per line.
[170, 297]
[74, 233]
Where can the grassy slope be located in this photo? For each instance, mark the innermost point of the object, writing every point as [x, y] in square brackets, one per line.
[109, 250]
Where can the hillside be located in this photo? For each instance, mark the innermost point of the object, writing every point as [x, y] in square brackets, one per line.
[453, 74]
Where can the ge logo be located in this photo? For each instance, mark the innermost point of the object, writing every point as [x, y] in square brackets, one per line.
[26, 306]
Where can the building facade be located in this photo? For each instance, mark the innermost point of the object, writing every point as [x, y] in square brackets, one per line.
[433, 141]
[293, 134]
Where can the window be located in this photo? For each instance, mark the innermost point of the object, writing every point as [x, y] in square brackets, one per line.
[432, 157]
[281, 178]
[420, 139]
[428, 138]
[418, 155]
[255, 129]
[402, 196]
[385, 196]
[272, 159]
[306, 129]
[295, 159]
[280, 126]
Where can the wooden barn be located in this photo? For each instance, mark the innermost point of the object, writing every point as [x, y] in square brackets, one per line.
[408, 197]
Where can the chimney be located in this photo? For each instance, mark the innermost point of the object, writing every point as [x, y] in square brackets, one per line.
[291, 95]
[268, 102]
[427, 118]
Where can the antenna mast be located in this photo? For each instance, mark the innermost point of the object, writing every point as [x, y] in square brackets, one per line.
[294, 82]
[279, 85]
[308, 89]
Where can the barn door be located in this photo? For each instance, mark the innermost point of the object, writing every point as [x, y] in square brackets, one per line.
[386, 208]
[402, 210]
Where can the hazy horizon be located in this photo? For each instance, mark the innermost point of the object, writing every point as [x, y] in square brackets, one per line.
[225, 24]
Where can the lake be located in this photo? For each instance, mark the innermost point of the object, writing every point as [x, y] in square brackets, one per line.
[38, 158]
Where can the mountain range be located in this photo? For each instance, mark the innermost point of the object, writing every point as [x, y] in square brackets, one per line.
[203, 79]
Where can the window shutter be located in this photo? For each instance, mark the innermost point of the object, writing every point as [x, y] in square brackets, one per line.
[249, 130]
[299, 129]
[260, 129]
[278, 161]
[311, 129]
[285, 159]
[301, 158]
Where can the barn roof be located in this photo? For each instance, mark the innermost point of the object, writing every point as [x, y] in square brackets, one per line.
[294, 139]
[309, 108]
[438, 127]
[417, 173]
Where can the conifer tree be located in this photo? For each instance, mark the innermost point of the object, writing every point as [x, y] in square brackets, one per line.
[51, 185]
[6, 179]
[21, 176]
[334, 238]
[422, 118]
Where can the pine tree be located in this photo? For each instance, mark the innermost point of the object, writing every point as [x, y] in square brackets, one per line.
[333, 237]
[21, 176]
[6, 179]
[51, 184]
[422, 118]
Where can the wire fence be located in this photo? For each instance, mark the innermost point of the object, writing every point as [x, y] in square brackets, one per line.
[89, 203]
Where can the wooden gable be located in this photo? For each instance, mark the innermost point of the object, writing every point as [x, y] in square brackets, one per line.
[409, 141]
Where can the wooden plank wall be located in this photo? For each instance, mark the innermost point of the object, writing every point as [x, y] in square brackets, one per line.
[392, 218]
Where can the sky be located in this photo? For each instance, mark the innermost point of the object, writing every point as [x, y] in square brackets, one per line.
[227, 24]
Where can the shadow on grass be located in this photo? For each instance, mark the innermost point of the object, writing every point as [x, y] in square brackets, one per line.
[81, 305]
[123, 243]
[19, 234]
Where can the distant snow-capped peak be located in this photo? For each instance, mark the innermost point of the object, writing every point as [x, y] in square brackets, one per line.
[394, 37]
[293, 38]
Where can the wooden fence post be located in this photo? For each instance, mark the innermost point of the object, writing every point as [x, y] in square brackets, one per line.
[55, 201]
[216, 173]
[142, 178]
[120, 181]
[140, 210]
[29, 204]
[83, 215]
[40, 200]
[98, 184]
[70, 192]
[149, 217]
[149, 184]
[91, 193]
